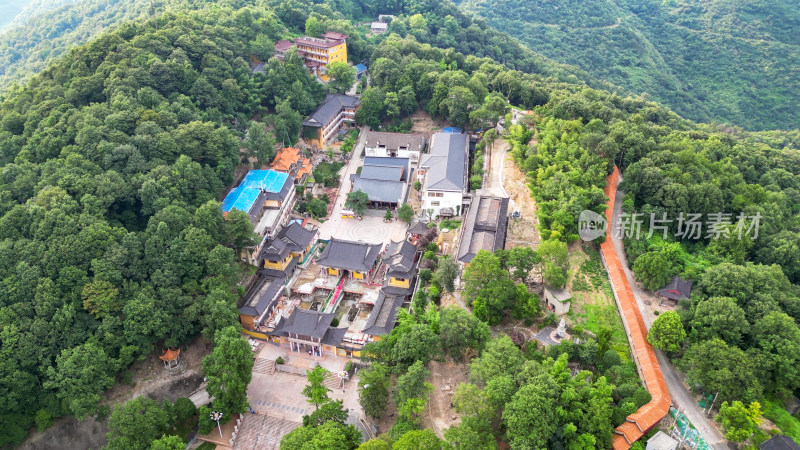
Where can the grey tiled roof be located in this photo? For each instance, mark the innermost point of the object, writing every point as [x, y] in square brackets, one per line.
[264, 292]
[385, 173]
[380, 191]
[330, 108]
[485, 227]
[305, 322]
[399, 258]
[389, 161]
[349, 255]
[446, 163]
[418, 227]
[291, 238]
[334, 336]
[393, 141]
[677, 289]
[384, 315]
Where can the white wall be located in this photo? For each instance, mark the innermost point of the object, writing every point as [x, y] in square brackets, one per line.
[448, 200]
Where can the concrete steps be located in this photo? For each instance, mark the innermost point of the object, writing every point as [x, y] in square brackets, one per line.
[332, 381]
[265, 366]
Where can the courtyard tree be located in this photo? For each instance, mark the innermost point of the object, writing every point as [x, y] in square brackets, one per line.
[171, 442]
[446, 273]
[419, 439]
[405, 213]
[667, 332]
[315, 391]
[332, 410]
[342, 76]
[523, 260]
[485, 278]
[330, 434]
[229, 369]
[357, 201]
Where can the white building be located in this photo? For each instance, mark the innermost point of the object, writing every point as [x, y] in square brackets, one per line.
[443, 173]
[379, 27]
[398, 145]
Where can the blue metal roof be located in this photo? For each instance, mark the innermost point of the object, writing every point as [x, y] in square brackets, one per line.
[453, 130]
[360, 68]
[243, 196]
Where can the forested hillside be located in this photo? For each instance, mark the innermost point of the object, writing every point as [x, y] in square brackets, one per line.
[723, 61]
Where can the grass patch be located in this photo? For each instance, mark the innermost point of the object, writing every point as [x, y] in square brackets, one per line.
[451, 224]
[206, 446]
[789, 424]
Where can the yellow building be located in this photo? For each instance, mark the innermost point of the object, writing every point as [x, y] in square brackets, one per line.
[317, 52]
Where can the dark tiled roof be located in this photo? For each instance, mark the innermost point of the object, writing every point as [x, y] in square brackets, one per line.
[418, 227]
[282, 46]
[446, 162]
[291, 238]
[263, 293]
[330, 108]
[485, 227]
[349, 255]
[677, 289]
[384, 315]
[399, 259]
[380, 191]
[334, 336]
[779, 442]
[388, 161]
[393, 141]
[385, 173]
[279, 273]
[305, 322]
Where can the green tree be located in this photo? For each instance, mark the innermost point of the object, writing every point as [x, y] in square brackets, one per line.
[530, 417]
[287, 122]
[554, 252]
[313, 27]
[667, 332]
[419, 440]
[80, 376]
[412, 383]
[342, 76]
[262, 47]
[420, 343]
[136, 424]
[484, 278]
[722, 369]
[357, 201]
[554, 276]
[523, 260]
[473, 432]
[332, 410]
[720, 317]
[470, 400]
[461, 331]
[330, 434]
[238, 230]
[653, 270]
[229, 369]
[371, 110]
[738, 421]
[405, 213]
[100, 298]
[168, 443]
[315, 391]
[260, 144]
[500, 357]
[446, 273]
[373, 385]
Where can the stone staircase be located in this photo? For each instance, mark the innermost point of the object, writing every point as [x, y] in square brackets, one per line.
[332, 381]
[264, 433]
[265, 366]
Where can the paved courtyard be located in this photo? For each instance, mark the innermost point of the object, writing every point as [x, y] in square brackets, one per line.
[280, 406]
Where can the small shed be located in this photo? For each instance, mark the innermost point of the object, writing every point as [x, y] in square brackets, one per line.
[379, 27]
[557, 300]
[678, 289]
[361, 70]
[661, 441]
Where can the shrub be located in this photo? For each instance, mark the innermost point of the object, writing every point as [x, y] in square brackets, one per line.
[425, 275]
[205, 424]
[184, 409]
[279, 360]
[335, 322]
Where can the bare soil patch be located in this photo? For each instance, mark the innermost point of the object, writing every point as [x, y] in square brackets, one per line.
[445, 376]
[525, 230]
[424, 124]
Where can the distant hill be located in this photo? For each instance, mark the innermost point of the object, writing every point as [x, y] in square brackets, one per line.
[720, 60]
[47, 33]
[9, 9]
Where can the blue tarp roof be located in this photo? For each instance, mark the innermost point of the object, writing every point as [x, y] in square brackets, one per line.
[360, 68]
[243, 196]
[454, 130]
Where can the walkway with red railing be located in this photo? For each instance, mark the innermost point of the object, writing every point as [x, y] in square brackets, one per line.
[638, 423]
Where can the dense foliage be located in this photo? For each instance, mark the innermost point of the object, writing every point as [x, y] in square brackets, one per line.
[710, 61]
[111, 236]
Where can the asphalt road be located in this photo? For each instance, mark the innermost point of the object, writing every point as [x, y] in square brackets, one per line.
[681, 397]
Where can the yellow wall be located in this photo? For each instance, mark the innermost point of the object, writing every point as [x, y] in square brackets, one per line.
[280, 265]
[358, 275]
[337, 53]
[399, 282]
[256, 334]
[332, 271]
